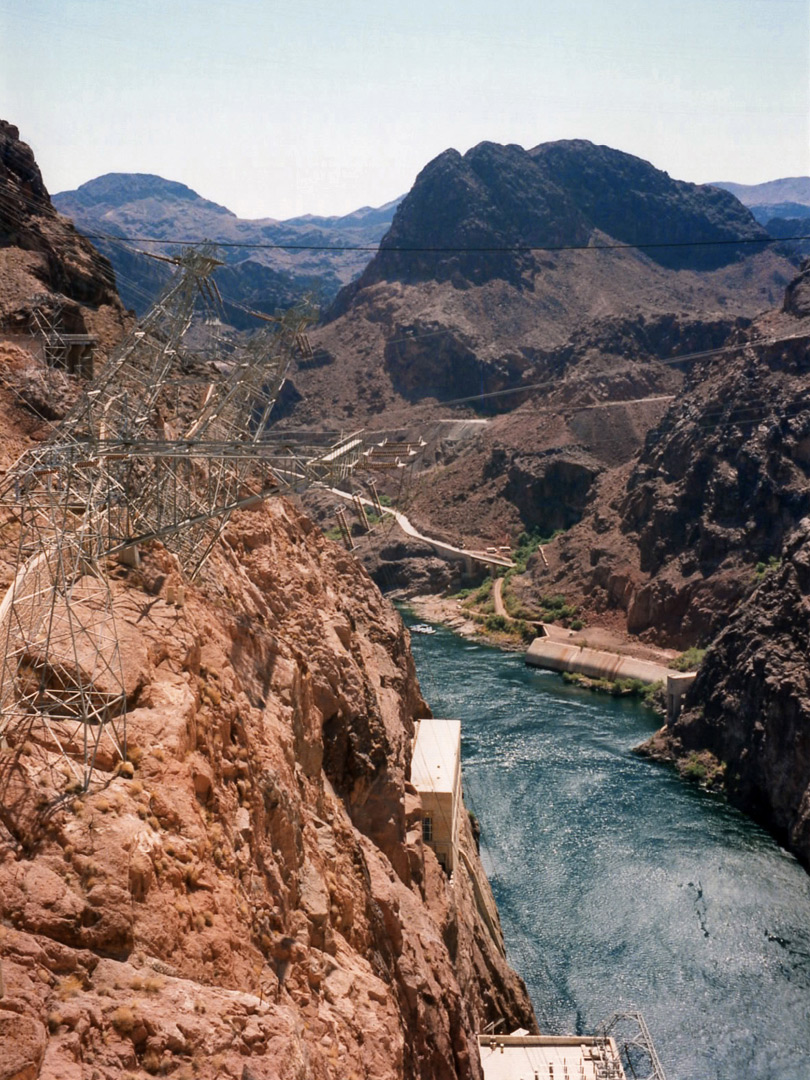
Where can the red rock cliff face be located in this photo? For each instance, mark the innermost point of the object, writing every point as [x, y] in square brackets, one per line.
[255, 901]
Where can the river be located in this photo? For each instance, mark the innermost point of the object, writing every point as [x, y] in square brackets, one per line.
[620, 885]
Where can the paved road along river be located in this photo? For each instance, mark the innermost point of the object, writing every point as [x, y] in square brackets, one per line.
[619, 884]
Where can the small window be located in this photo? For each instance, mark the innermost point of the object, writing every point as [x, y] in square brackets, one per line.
[427, 829]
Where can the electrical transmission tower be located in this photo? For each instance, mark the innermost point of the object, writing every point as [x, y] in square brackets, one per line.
[636, 1048]
[164, 445]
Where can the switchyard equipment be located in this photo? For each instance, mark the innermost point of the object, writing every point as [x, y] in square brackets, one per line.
[163, 445]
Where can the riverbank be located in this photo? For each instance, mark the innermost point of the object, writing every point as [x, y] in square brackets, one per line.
[448, 611]
[619, 885]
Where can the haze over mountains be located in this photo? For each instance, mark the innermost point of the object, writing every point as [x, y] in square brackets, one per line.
[265, 276]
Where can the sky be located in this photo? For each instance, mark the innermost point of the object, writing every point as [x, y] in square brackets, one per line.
[322, 106]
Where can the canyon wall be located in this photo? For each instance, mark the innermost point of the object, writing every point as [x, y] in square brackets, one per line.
[253, 899]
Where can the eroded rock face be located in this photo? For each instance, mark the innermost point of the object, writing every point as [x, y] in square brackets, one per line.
[42, 255]
[718, 487]
[256, 900]
[550, 490]
[750, 705]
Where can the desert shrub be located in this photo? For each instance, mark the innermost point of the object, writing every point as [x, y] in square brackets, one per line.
[152, 1061]
[484, 591]
[557, 609]
[524, 630]
[496, 622]
[650, 693]
[763, 568]
[68, 987]
[689, 660]
[124, 1020]
[693, 768]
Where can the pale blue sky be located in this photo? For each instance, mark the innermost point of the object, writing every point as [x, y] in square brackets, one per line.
[322, 106]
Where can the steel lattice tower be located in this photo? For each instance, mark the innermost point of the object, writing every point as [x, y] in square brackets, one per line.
[128, 465]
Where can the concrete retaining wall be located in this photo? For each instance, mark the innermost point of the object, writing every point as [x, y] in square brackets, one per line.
[595, 664]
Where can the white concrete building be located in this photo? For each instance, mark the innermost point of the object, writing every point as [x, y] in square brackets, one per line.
[436, 775]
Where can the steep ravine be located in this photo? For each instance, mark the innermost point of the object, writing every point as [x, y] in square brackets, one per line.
[255, 901]
[703, 540]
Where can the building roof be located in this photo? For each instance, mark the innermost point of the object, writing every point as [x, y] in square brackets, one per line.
[548, 1057]
[436, 753]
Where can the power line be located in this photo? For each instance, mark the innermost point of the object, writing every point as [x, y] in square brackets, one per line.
[556, 383]
[517, 249]
[420, 249]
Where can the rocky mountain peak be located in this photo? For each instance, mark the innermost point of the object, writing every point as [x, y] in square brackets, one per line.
[471, 218]
[41, 253]
[636, 203]
[114, 190]
[18, 166]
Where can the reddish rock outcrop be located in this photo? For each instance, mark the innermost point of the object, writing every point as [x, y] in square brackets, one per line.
[255, 901]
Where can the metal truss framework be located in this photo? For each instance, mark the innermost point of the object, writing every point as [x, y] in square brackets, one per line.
[636, 1048]
[164, 445]
[60, 349]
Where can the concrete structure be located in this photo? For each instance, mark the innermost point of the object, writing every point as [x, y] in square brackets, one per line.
[549, 1057]
[436, 775]
[677, 685]
[594, 663]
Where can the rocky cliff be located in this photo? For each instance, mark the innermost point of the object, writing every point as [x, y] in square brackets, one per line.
[676, 539]
[253, 899]
[41, 254]
[745, 725]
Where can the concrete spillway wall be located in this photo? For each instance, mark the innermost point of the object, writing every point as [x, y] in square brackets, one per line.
[595, 664]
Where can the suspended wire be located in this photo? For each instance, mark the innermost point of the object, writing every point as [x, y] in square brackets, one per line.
[45, 204]
[516, 249]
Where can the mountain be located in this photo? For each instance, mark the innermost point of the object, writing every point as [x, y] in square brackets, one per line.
[263, 276]
[504, 290]
[782, 206]
[790, 189]
[478, 217]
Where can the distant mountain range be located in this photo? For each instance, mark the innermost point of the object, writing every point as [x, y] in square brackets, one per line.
[790, 189]
[268, 277]
[263, 277]
[782, 206]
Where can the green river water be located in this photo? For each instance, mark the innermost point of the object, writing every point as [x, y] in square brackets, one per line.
[620, 885]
